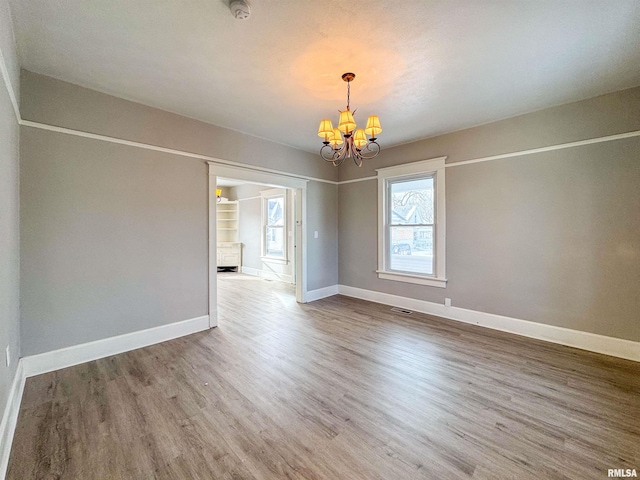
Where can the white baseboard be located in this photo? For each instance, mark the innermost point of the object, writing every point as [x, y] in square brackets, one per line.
[86, 352]
[319, 293]
[283, 277]
[615, 347]
[250, 271]
[67, 357]
[10, 418]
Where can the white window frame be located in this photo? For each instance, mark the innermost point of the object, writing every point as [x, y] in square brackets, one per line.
[266, 195]
[434, 167]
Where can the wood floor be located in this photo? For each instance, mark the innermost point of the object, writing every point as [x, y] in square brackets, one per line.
[336, 389]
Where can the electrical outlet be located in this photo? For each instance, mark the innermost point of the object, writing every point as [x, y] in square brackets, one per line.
[7, 356]
[447, 302]
[315, 234]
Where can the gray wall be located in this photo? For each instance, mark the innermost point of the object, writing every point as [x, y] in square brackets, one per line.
[115, 237]
[322, 252]
[596, 117]
[247, 190]
[9, 216]
[250, 223]
[566, 270]
[322, 216]
[552, 237]
[63, 104]
[250, 231]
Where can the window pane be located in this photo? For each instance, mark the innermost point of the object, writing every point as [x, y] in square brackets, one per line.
[275, 242]
[275, 211]
[412, 201]
[411, 249]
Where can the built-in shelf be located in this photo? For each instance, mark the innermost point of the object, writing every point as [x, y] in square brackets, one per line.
[228, 248]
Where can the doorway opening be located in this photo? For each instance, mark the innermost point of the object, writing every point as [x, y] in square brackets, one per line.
[256, 231]
[255, 240]
[255, 227]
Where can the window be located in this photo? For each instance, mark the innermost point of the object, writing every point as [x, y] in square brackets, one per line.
[274, 223]
[411, 242]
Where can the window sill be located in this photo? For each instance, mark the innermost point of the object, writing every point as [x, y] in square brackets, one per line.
[280, 261]
[417, 279]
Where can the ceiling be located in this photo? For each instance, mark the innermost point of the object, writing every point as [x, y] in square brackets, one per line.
[425, 67]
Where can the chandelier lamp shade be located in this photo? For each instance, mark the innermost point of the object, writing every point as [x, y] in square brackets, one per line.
[347, 141]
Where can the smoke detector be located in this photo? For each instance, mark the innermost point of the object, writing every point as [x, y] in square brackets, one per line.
[240, 9]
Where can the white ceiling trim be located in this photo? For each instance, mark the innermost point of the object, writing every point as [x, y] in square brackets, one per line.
[218, 161]
[146, 146]
[7, 83]
[28, 123]
[550, 148]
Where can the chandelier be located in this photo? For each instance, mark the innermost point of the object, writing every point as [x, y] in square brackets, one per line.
[345, 141]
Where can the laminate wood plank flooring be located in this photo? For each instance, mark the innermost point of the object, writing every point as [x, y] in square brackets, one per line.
[335, 389]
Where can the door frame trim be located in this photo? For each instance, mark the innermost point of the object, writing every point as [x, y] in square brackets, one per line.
[270, 179]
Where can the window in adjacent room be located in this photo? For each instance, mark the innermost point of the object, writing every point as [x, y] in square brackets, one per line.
[274, 228]
[411, 210]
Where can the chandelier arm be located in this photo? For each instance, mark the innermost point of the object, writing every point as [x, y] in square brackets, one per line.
[328, 153]
[338, 155]
[368, 152]
[340, 161]
[341, 154]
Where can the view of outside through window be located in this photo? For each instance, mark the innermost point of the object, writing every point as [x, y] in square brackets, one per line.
[274, 242]
[411, 225]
